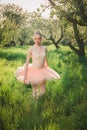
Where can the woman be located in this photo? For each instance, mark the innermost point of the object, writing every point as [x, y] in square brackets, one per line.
[37, 72]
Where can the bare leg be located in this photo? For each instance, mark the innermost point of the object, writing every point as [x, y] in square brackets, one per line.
[42, 88]
[34, 91]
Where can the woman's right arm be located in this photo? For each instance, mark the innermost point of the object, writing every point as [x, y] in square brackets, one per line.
[26, 64]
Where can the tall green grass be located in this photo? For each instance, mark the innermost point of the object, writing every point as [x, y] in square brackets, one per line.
[62, 107]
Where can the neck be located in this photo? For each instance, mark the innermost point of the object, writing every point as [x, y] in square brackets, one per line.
[37, 44]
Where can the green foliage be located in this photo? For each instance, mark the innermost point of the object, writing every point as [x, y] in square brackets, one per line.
[62, 107]
[12, 19]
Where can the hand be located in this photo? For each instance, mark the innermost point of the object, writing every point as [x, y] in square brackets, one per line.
[45, 62]
[25, 79]
[46, 65]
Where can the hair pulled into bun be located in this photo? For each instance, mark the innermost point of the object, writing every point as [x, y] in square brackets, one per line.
[38, 32]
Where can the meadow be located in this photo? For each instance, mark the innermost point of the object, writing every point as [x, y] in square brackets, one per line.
[62, 107]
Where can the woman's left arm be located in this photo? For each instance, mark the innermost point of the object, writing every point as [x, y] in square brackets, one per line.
[45, 59]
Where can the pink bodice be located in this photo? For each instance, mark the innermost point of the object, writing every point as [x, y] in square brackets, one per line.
[38, 54]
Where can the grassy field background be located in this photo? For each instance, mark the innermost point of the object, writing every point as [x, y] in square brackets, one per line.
[63, 107]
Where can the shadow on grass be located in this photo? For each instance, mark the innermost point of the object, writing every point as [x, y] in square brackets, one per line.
[83, 62]
[61, 53]
[18, 46]
[12, 56]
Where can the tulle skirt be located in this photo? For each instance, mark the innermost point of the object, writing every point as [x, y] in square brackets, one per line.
[35, 75]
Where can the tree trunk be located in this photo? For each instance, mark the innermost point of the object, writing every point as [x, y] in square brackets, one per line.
[56, 45]
[21, 42]
[79, 40]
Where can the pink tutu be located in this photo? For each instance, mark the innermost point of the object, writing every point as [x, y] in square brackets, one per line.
[36, 76]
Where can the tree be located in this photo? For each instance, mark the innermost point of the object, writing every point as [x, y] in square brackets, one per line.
[12, 19]
[75, 13]
[52, 38]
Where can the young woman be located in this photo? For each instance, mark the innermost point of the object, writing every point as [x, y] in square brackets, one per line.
[37, 72]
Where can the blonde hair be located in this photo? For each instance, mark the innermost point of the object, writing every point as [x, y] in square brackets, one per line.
[38, 32]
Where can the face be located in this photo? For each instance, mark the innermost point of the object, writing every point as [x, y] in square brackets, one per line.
[37, 39]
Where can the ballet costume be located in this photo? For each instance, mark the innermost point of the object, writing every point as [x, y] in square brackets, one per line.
[37, 71]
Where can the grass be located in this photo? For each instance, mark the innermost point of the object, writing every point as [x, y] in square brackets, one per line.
[62, 107]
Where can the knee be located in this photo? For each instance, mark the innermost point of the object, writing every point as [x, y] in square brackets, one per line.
[43, 87]
[34, 87]
[43, 83]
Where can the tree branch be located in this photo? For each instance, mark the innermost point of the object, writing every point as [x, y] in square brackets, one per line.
[52, 3]
[61, 35]
[74, 21]
[72, 47]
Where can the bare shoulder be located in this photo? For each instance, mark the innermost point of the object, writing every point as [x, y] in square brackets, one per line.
[30, 48]
[44, 47]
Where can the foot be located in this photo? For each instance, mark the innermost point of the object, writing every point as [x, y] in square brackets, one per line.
[40, 94]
